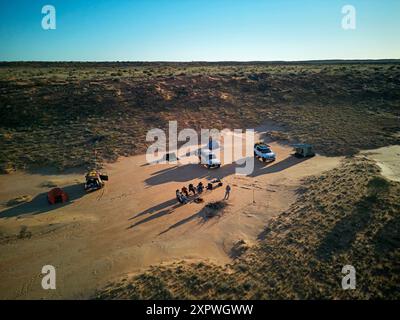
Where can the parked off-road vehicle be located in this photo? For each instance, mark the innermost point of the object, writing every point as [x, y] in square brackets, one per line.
[264, 152]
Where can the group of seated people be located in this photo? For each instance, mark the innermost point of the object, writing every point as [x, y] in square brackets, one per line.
[183, 194]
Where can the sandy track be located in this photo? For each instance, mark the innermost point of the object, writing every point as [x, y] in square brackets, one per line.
[136, 221]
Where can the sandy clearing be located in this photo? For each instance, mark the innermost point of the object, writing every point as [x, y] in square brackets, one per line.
[135, 222]
[388, 159]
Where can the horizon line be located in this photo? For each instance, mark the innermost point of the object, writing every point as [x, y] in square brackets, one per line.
[204, 61]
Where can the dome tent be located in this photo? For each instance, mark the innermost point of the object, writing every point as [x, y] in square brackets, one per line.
[57, 195]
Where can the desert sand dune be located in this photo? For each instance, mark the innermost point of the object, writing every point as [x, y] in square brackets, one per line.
[135, 221]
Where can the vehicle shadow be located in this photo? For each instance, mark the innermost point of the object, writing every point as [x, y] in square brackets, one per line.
[178, 174]
[189, 172]
[261, 168]
[39, 203]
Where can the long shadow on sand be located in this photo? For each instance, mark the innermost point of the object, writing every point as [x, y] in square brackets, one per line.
[162, 209]
[200, 214]
[178, 173]
[162, 206]
[40, 205]
[260, 168]
[189, 172]
[155, 212]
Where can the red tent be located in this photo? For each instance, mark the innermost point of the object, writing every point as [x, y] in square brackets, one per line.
[57, 195]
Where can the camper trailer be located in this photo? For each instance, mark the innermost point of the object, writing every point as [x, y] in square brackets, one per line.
[303, 150]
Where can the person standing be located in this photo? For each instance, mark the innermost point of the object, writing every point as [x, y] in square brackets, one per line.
[227, 192]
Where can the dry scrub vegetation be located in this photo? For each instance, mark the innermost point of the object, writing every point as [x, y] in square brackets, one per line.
[56, 114]
[349, 215]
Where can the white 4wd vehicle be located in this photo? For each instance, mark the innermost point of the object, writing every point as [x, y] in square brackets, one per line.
[263, 151]
[208, 158]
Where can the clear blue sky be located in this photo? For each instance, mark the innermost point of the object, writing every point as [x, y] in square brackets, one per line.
[200, 30]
